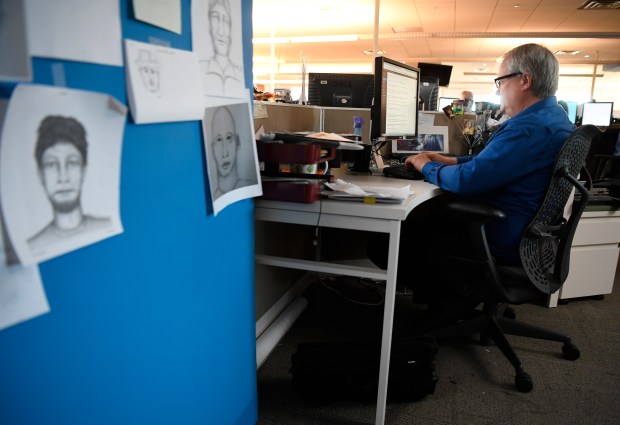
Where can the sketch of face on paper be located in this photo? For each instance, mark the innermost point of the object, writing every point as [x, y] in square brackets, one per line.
[61, 154]
[148, 67]
[60, 170]
[219, 48]
[231, 154]
[225, 146]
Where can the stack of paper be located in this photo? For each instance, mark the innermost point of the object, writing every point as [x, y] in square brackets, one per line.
[344, 191]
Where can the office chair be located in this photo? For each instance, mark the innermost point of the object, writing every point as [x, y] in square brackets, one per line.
[545, 256]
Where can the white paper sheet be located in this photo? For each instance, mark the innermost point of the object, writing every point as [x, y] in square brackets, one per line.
[69, 199]
[230, 148]
[14, 60]
[86, 31]
[217, 40]
[22, 296]
[341, 187]
[426, 119]
[162, 13]
[162, 83]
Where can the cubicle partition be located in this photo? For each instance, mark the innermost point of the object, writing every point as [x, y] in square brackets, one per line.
[275, 116]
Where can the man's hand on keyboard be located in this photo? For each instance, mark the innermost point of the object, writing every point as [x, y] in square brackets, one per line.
[437, 157]
[417, 161]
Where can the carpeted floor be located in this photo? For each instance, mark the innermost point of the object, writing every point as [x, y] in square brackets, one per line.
[476, 383]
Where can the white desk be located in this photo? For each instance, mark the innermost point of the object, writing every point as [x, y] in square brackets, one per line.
[384, 218]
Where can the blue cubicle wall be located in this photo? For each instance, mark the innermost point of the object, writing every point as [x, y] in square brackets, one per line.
[156, 325]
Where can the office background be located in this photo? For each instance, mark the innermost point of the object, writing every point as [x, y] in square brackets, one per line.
[339, 36]
[156, 325]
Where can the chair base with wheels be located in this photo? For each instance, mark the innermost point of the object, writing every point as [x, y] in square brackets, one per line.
[494, 322]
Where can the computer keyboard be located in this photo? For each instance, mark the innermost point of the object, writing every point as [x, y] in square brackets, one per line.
[400, 171]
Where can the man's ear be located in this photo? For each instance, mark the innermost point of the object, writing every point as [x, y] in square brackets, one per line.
[526, 81]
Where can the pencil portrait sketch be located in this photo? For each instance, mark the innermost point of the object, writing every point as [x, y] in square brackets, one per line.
[225, 145]
[231, 155]
[148, 66]
[163, 84]
[61, 155]
[217, 40]
[60, 170]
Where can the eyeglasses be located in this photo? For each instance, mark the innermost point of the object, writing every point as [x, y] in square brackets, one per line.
[499, 82]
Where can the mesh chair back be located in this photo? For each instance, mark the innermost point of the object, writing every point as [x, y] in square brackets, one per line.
[545, 245]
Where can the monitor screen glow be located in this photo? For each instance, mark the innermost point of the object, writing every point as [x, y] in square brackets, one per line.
[395, 109]
[597, 113]
[572, 111]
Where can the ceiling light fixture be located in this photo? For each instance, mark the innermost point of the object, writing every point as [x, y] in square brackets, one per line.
[567, 52]
[600, 5]
[323, 38]
[270, 40]
[305, 39]
[372, 52]
[400, 30]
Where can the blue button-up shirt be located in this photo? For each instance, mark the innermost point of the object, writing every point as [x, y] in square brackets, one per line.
[511, 173]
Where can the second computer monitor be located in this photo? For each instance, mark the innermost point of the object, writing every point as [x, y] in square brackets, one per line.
[443, 72]
[340, 90]
[395, 108]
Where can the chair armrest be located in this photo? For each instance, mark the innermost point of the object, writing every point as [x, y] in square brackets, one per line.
[475, 210]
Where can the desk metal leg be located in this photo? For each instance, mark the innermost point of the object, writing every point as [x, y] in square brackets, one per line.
[388, 321]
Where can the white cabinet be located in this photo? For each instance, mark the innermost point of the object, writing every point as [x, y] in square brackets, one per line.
[594, 256]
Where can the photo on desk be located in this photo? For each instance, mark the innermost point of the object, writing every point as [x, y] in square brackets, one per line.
[231, 156]
[430, 139]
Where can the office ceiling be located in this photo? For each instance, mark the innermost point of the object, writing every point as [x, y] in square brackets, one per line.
[471, 35]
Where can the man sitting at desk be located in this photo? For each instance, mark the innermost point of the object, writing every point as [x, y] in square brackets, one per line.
[511, 173]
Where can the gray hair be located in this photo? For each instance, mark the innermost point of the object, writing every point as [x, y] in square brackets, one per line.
[540, 63]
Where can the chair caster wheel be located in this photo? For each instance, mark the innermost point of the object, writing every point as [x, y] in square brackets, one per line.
[523, 382]
[510, 313]
[570, 351]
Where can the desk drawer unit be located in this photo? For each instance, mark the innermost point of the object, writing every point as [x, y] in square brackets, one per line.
[594, 256]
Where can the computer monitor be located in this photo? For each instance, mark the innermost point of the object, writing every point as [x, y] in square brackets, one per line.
[443, 72]
[395, 110]
[597, 113]
[340, 90]
[572, 111]
[429, 92]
